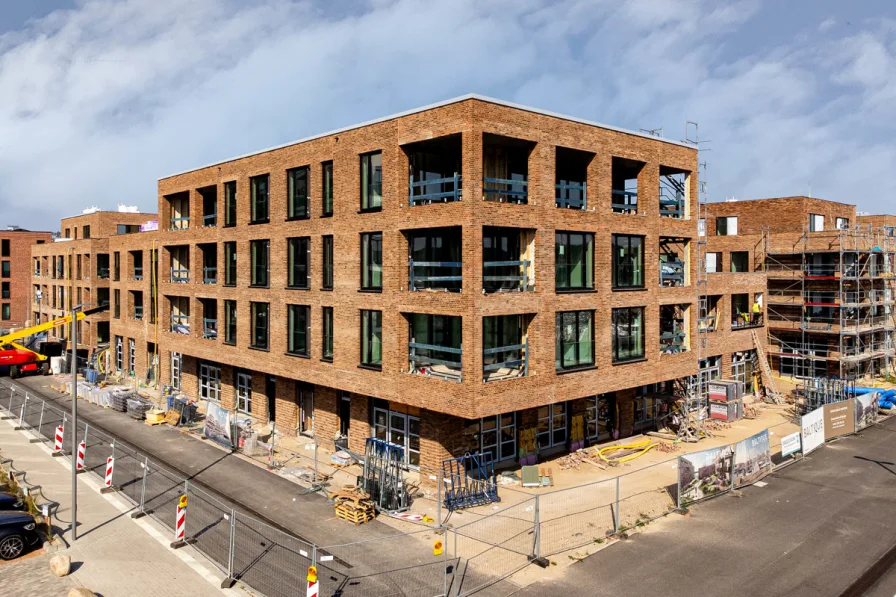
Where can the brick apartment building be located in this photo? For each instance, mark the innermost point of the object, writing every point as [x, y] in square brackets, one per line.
[76, 269]
[15, 274]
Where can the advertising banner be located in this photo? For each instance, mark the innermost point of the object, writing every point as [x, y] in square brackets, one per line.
[704, 474]
[812, 425]
[839, 419]
[790, 444]
[218, 425]
[866, 407]
[752, 459]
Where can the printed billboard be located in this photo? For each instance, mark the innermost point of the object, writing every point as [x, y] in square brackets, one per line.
[752, 459]
[812, 429]
[704, 474]
[866, 407]
[790, 444]
[839, 419]
[218, 425]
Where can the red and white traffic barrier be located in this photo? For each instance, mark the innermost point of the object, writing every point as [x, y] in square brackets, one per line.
[180, 522]
[82, 448]
[313, 585]
[57, 447]
[110, 467]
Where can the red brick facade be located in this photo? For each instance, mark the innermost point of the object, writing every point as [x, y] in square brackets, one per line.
[15, 305]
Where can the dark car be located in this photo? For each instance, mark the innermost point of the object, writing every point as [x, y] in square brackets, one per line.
[10, 501]
[17, 534]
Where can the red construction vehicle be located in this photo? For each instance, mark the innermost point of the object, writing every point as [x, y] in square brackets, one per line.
[23, 360]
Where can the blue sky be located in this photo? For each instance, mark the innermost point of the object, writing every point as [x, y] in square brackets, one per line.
[100, 98]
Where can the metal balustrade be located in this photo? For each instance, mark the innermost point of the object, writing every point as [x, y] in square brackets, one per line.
[441, 196]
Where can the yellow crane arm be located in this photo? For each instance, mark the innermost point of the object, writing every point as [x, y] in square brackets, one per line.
[9, 339]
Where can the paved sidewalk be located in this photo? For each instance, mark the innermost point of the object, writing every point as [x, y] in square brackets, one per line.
[114, 555]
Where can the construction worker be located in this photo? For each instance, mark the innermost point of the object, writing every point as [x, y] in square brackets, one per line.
[757, 312]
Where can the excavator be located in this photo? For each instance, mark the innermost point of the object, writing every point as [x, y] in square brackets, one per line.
[23, 360]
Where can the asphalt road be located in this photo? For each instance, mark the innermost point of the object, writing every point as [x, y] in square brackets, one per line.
[823, 526]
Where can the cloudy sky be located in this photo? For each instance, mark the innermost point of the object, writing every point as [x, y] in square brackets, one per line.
[100, 98]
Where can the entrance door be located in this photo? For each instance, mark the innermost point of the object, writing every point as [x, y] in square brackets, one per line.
[398, 428]
[345, 410]
[606, 416]
[270, 389]
[306, 409]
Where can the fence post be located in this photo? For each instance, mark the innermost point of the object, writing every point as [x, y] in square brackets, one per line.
[445, 560]
[229, 581]
[678, 484]
[616, 518]
[22, 413]
[439, 498]
[316, 478]
[12, 391]
[142, 511]
[40, 424]
[537, 530]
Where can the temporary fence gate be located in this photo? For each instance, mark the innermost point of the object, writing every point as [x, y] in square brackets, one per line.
[382, 478]
[471, 479]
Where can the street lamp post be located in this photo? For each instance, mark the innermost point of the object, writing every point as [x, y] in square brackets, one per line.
[74, 434]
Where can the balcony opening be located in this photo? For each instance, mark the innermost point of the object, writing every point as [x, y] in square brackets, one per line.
[102, 266]
[625, 185]
[102, 296]
[137, 267]
[674, 329]
[102, 332]
[209, 263]
[674, 270]
[209, 318]
[435, 170]
[180, 314]
[179, 208]
[435, 346]
[571, 170]
[180, 264]
[137, 302]
[746, 313]
[435, 259]
[209, 206]
[674, 192]
[505, 347]
[709, 313]
[505, 169]
[508, 259]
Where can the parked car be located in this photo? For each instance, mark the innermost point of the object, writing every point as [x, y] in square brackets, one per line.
[17, 534]
[10, 501]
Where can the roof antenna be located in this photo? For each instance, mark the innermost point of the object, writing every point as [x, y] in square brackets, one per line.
[810, 190]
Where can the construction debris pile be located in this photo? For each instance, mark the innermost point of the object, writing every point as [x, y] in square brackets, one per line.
[353, 504]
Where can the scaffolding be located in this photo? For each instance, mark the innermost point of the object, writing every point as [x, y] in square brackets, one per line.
[817, 392]
[831, 302]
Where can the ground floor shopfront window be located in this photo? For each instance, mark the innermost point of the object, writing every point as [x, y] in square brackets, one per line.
[399, 428]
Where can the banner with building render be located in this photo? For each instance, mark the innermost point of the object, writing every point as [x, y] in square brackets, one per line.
[752, 459]
[704, 474]
[218, 424]
[866, 407]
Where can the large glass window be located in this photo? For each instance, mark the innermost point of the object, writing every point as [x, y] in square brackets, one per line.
[230, 263]
[7, 312]
[326, 178]
[435, 345]
[552, 425]
[740, 261]
[299, 320]
[574, 339]
[298, 266]
[328, 333]
[230, 203]
[260, 250]
[628, 334]
[210, 382]
[260, 196]
[372, 261]
[260, 325]
[435, 255]
[726, 226]
[503, 348]
[372, 181]
[244, 391]
[327, 270]
[628, 261]
[372, 338]
[297, 194]
[229, 322]
[175, 364]
[574, 261]
[6, 273]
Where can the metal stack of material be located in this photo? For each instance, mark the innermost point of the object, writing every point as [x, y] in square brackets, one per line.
[137, 408]
[470, 481]
[382, 479]
[120, 401]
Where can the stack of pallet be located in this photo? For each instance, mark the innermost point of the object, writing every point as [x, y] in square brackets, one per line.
[353, 505]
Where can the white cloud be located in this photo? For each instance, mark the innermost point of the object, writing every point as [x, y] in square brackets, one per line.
[98, 102]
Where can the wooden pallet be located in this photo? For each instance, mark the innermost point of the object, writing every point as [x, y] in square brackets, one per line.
[359, 515]
[154, 423]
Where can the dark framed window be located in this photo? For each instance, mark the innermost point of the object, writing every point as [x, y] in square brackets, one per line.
[5, 270]
[230, 263]
[740, 261]
[298, 330]
[326, 179]
[298, 265]
[327, 271]
[372, 181]
[229, 322]
[4, 248]
[726, 226]
[574, 260]
[574, 339]
[260, 195]
[260, 325]
[372, 261]
[230, 203]
[260, 255]
[86, 232]
[116, 266]
[628, 261]
[7, 312]
[297, 206]
[628, 334]
[440, 249]
[6, 291]
[372, 338]
[327, 353]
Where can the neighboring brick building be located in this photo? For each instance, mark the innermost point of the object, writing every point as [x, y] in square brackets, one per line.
[15, 274]
[76, 270]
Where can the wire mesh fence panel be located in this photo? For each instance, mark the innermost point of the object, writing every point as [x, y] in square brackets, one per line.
[268, 560]
[52, 419]
[393, 565]
[33, 415]
[162, 492]
[98, 447]
[571, 518]
[492, 548]
[647, 494]
[128, 474]
[208, 527]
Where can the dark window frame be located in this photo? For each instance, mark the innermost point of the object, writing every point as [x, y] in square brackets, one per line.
[229, 204]
[371, 246]
[260, 201]
[745, 255]
[327, 266]
[295, 280]
[562, 238]
[619, 268]
[327, 334]
[616, 349]
[230, 272]
[560, 345]
[295, 201]
[294, 317]
[368, 317]
[260, 273]
[230, 321]
[260, 311]
[326, 184]
[365, 161]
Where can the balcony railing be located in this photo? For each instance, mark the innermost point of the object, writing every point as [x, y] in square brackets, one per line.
[138, 272]
[440, 196]
[422, 364]
[209, 328]
[102, 273]
[672, 273]
[209, 275]
[671, 205]
[416, 277]
[180, 324]
[572, 195]
[506, 190]
[625, 202]
[743, 321]
[180, 223]
[210, 220]
[180, 276]
[505, 362]
[673, 341]
[520, 281]
[138, 311]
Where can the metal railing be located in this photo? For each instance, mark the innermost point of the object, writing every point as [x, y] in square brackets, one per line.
[209, 275]
[422, 364]
[179, 223]
[426, 196]
[673, 342]
[672, 273]
[625, 202]
[209, 328]
[506, 190]
[180, 324]
[432, 281]
[179, 276]
[572, 195]
[210, 220]
[502, 367]
[519, 281]
[671, 207]
[138, 272]
[743, 321]
[102, 273]
[138, 311]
